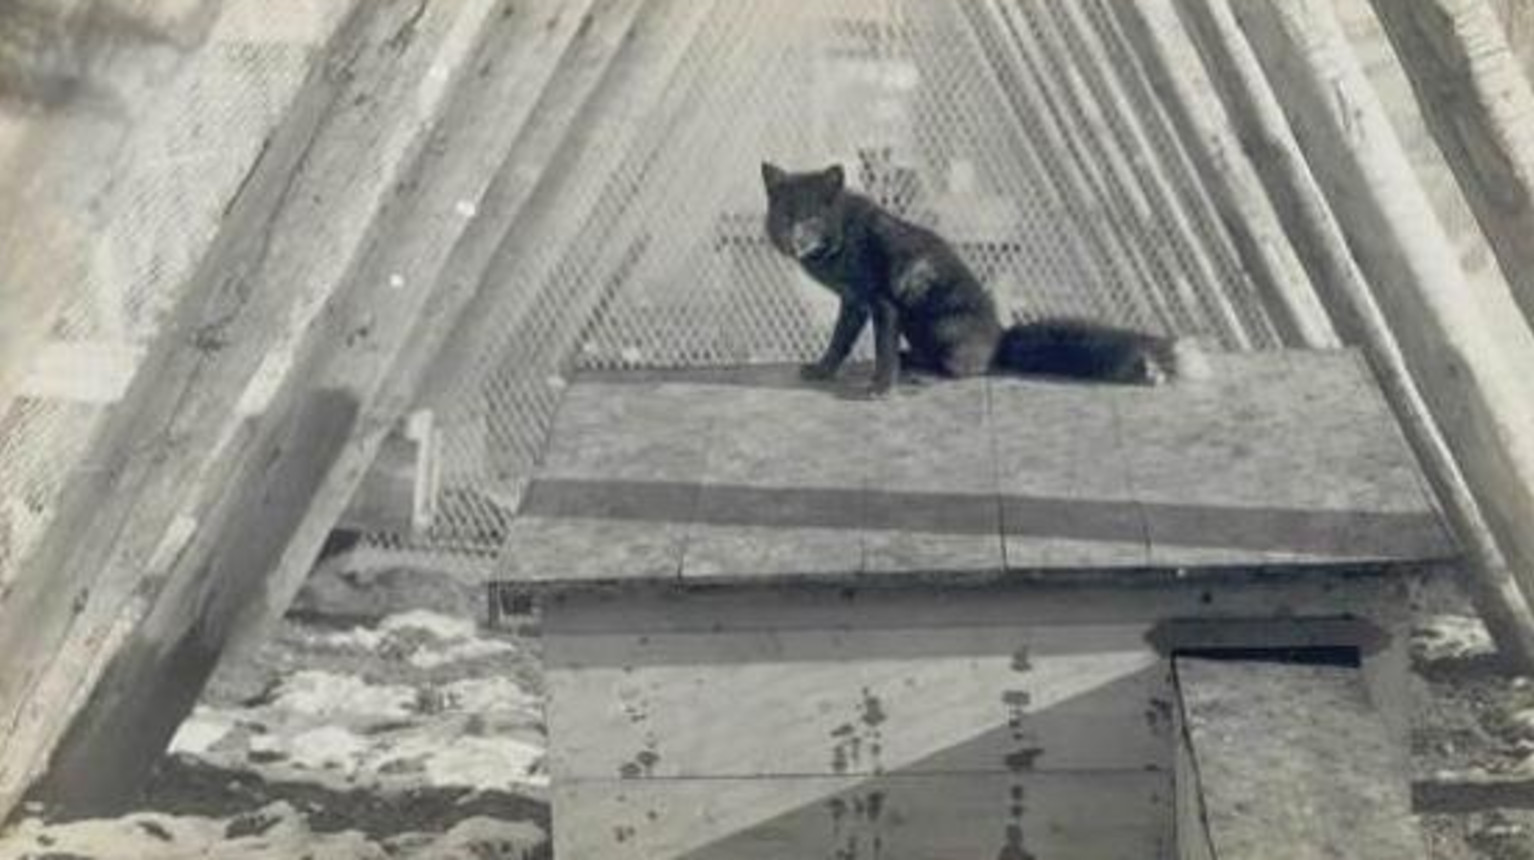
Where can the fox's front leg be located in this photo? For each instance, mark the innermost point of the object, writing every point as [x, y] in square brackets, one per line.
[886, 347]
[849, 324]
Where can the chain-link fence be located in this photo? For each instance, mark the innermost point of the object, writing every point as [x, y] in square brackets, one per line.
[128, 125]
[1028, 133]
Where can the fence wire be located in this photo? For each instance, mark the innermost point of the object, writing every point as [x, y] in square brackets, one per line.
[1025, 132]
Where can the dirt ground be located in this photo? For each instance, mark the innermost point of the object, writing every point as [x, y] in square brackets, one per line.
[1472, 756]
[384, 721]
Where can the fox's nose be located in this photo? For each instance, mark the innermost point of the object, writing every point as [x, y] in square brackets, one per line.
[807, 237]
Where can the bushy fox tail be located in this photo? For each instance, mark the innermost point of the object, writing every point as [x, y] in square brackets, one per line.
[1082, 349]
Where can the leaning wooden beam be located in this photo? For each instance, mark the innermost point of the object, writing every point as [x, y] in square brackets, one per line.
[1051, 174]
[306, 217]
[1289, 755]
[1047, 108]
[1478, 262]
[1105, 247]
[1100, 134]
[1246, 211]
[1480, 109]
[375, 339]
[562, 189]
[1445, 442]
[1133, 122]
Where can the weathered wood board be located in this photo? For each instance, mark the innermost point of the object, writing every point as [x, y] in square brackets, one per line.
[1282, 458]
[752, 721]
[1101, 816]
[1293, 755]
[839, 702]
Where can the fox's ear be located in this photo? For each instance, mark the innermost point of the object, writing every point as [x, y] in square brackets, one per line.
[772, 175]
[834, 178]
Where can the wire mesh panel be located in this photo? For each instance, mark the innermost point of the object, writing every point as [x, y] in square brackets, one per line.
[1025, 133]
[158, 111]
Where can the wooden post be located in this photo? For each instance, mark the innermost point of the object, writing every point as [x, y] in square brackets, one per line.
[1209, 132]
[1176, 211]
[153, 681]
[1407, 337]
[1480, 109]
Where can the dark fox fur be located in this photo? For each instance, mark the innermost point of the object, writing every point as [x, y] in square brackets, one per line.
[911, 283]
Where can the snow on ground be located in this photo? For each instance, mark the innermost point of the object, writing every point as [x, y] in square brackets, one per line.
[417, 735]
[275, 832]
[419, 723]
[1446, 637]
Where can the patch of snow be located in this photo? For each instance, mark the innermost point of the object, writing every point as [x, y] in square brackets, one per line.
[1451, 637]
[478, 836]
[444, 627]
[484, 763]
[472, 649]
[320, 693]
[199, 732]
[327, 748]
[490, 695]
[152, 836]
[363, 638]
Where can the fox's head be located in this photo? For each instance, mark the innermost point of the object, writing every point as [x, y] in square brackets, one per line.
[804, 211]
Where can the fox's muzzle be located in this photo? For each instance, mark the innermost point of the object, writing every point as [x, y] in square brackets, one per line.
[807, 238]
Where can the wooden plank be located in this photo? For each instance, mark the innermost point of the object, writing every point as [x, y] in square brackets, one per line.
[802, 484]
[1419, 321]
[942, 457]
[1294, 755]
[1190, 819]
[1479, 106]
[1247, 468]
[636, 435]
[1480, 257]
[1118, 816]
[971, 699]
[1066, 496]
[783, 444]
[154, 681]
[1037, 603]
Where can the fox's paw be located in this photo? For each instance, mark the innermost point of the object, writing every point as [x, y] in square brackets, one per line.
[816, 371]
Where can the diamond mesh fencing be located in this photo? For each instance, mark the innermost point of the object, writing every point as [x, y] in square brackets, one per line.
[150, 115]
[1027, 133]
